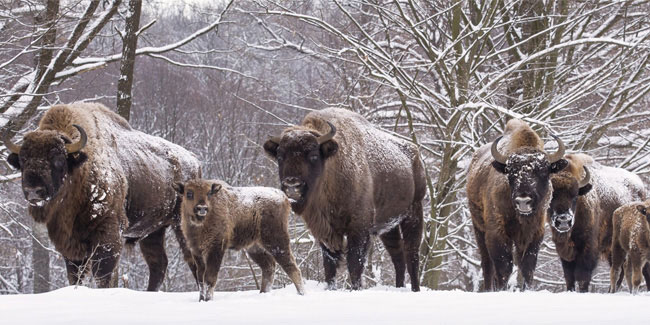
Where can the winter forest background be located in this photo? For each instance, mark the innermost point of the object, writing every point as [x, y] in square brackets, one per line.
[217, 77]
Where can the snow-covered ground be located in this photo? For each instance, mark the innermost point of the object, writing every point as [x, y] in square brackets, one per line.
[379, 305]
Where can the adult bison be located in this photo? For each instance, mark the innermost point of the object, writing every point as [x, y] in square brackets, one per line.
[349, 180]
[580, 214]
[508, 188]
[95, 181]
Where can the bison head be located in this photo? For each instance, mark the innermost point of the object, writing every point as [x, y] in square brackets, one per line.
[196, 199]
[45, 159]
[566, 190]
[528, 171]
[644, 210]
[301, 156]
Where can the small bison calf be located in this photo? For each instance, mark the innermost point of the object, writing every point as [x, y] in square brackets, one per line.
[631, 245]
[216, 217]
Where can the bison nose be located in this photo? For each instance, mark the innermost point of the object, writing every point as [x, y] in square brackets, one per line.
[33, 194]
[564, 217]
[201, 210]
[292, 182]
[524, 203]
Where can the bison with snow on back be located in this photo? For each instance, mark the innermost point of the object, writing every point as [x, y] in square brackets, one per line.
[94, 182]
[631, 246]
[349, 180]
[509, 189]
[580, 214]
[216, 217]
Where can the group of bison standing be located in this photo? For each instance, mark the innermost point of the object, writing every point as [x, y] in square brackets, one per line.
[98, 184]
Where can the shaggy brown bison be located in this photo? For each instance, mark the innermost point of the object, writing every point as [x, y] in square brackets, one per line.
[508, 188]
[95, 181]
[631, 245]
[349, 180]
[216, 217]
[580, 214]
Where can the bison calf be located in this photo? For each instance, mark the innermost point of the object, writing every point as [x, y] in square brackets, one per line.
[631, 244]
[216, 217]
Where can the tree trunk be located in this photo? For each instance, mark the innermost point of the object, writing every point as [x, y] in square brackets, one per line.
[40, 258]
[129, 45]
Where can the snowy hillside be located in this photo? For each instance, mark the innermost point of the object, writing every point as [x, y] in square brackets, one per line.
[379, 305]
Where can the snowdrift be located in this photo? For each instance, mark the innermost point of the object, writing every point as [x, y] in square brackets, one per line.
[379, 305]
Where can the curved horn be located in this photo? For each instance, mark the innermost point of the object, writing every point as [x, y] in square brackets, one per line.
[275, 139]
[14, 148]
[585, 180]
[329, 135]
[560, 150]
[83, 138]
[500, 158]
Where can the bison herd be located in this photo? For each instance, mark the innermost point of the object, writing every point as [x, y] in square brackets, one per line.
[98, 185]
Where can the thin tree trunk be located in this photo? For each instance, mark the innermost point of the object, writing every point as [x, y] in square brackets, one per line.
[129, 45]
[40, 258]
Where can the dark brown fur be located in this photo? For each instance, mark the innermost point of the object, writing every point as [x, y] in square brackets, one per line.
[497, 224]
[591, 208]
[216, 217]
[116, 187]
[631, 245]
[361, 182]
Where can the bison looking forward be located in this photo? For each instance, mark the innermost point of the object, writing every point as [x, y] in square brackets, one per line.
[580, 214]
[349, 180]
[509, 190]
[93, 180]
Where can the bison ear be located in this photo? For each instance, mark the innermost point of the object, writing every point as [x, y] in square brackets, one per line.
[271, 148]
[558, 166]
[329, 148]
[179, 187]
[76, 159]
[501, 168]
[214, 189]
[14, 161]
[642, 209]
[585, 189]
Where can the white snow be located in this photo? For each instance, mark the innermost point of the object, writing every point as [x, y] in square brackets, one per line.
[379, 305]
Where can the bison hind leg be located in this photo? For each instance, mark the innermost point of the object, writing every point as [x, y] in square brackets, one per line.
[153, 251]
[394, 244]
[266, 263]
[412, 228]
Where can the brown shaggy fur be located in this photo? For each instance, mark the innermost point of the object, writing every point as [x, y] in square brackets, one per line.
[497, 224]
[121, 191]
[216, 217]
[361, 182]
[592, 207]
[631, 245]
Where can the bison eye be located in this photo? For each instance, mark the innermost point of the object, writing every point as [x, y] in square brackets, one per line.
[313, 158]
[190, 195]
[58, 163]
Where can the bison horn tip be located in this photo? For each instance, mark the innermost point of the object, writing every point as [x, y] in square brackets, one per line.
[83, 139]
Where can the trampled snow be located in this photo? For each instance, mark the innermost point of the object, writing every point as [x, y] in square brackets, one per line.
[378, 305]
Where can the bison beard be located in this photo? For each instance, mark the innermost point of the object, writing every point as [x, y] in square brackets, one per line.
[508, 195]
[95, 181]
[348, 180]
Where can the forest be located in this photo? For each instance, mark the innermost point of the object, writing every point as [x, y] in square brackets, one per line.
[219, 77]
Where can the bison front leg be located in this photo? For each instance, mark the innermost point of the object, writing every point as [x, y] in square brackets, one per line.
[200, 272]
[412, 232]
[528, 261]
[212, 265]
[500, 250]
[358, 244]
[331, 261]
[187, 254]
[76, 271]
[104, 261]
[568, 267]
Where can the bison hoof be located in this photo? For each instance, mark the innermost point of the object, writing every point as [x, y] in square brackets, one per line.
[331, 286]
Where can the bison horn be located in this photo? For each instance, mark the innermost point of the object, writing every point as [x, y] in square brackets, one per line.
[496, 154]
[559, 154]
[329, 135]
[83, 138]
[585, 180]
[14, 148]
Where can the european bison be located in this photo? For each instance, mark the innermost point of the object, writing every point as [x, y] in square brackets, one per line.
[349, 180]
[216, 217]
[580, 214]
[508, 188]
[631, 245]
[95, 181]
